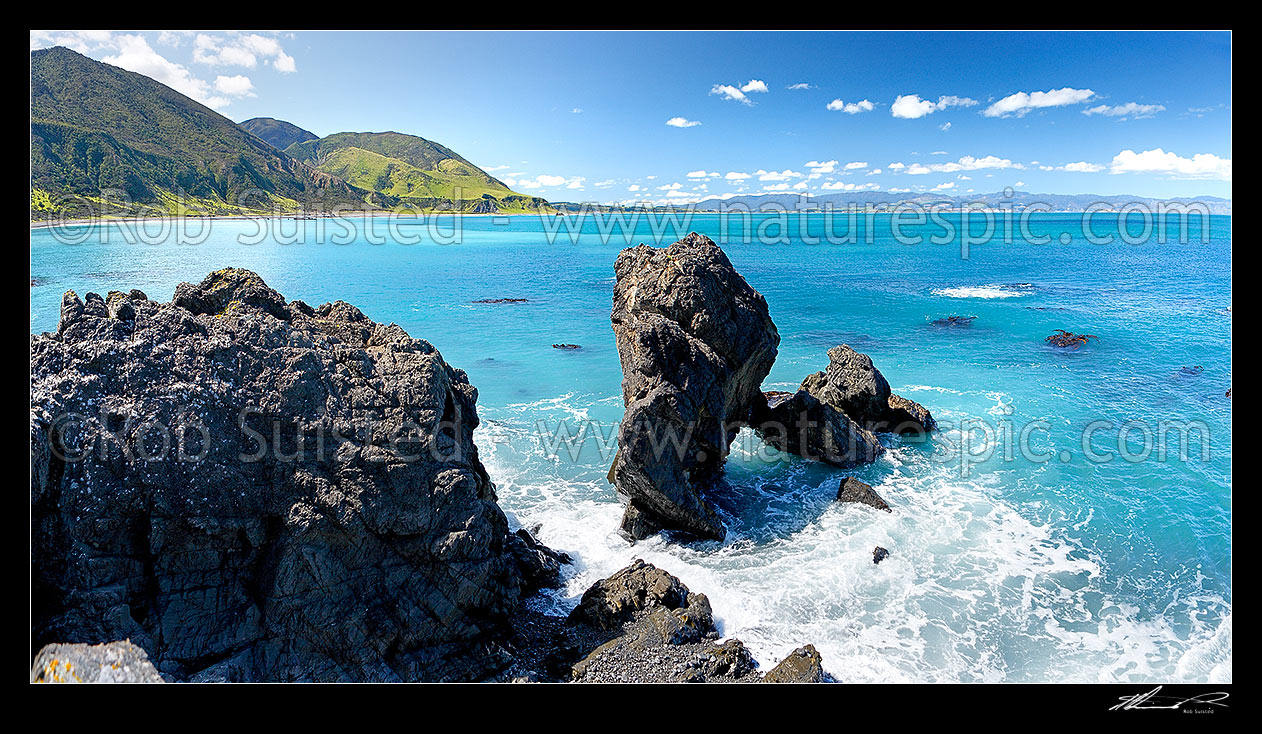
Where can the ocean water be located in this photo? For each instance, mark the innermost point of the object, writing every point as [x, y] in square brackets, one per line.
[1002, 567]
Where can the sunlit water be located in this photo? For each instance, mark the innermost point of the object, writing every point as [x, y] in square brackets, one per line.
[1014, 570]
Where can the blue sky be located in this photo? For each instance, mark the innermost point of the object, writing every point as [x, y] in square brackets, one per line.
[584, 117]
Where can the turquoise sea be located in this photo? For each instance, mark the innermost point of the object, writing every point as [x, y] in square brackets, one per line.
[1003, 567]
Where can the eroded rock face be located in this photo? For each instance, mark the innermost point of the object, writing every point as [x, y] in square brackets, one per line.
[255, 489]
[801, 424]
[854, 490]
[113, 662]
[852, 385]
[643, 625]
[803, 665]
[695, 342]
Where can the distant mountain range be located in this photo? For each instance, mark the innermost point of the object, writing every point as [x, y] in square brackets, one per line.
[106, 140]
[1016, 200]
[278, 133]
[109, 141]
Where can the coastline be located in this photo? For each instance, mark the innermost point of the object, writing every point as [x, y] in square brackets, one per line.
[50, 224]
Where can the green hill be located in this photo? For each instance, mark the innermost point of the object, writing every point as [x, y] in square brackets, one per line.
[419, 172]
[277, 133]
[101, 135]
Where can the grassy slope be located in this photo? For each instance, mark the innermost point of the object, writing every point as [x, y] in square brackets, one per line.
[418, 171]
[100, 134]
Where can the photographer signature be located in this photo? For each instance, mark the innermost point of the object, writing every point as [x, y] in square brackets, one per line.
[1151, 700]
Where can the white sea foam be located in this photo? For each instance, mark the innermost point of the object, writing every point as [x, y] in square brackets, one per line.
[974, 590]
[983, 291]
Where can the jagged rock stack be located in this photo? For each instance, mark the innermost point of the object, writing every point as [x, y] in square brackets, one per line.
[219, 479]
[696, 341]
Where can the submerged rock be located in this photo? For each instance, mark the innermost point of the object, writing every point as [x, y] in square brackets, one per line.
[501, 300]
[566, 346]
[1069, 340]
[255, 489]
[853, 490]
[695, 342]
[803, 665]
[799, 423]
[112, 662]
[854, 386]
[955, 320]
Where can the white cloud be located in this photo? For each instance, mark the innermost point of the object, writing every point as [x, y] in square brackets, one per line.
[736, 176]
[492, 169]
[1082, 167]
[1020, 103]
[754, 85]
[800, 85]
[784, 175]
[944, 186]
[1201, 165]
[1130, 110]
[682, 122]
[729, 92]
[604, 184]
[967, 163]
[839, 186]
[911, 106]
[546, 181]
[234, 86]
[703, 174]
[670, 187]
[897, 166]
[135, 54]
[851, 108]
[81, 41]
[1019, 183]
[944, 126]
[244, 50]
[576, 111]
[822, 166]
[856, 165]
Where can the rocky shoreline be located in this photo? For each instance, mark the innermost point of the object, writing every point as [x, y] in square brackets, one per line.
[236, 487]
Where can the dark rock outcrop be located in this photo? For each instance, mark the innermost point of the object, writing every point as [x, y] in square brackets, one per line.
[852, 385]
[255, 489]
[540, 566]
[799, 423]
[853, 490]
[879, 554]
[643, 625]
[695, 342]
[681, 615]
[803, 665]
[112, 662]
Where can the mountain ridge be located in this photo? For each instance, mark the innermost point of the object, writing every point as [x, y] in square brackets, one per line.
[412, 169]
[107, 140]
[277, 133]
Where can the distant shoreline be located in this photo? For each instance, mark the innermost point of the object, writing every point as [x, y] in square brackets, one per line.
[50, 224]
